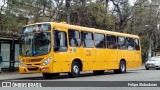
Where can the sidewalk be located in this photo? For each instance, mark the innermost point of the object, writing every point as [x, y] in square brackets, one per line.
[16, 74]
[8, 75]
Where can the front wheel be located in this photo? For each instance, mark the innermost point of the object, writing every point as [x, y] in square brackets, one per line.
[122, 67]
[75, 70]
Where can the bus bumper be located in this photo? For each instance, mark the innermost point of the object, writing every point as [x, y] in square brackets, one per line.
[36, 69]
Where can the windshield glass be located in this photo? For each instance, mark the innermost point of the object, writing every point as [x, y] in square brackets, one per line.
[154, 59]
[36, 28]
[34, 44]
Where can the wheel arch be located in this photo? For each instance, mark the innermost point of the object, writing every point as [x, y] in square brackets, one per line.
[80, 63]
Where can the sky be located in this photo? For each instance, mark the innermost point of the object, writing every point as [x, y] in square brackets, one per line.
[2, 2]
[130, 1]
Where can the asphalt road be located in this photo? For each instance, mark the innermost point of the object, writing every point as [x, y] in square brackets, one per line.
[139, 74]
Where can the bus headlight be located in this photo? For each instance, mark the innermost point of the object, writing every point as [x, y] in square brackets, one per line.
[21, 64]
[47, 61]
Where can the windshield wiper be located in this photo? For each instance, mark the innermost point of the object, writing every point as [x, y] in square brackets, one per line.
[27, 51]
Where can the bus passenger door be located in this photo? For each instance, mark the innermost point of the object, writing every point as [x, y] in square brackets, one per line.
[61, 59]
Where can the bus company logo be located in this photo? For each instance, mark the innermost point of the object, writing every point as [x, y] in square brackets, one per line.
[27, 60]
[6, 84]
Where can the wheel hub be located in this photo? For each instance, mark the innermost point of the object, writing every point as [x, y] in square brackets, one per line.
[75, 69]
[123, 67]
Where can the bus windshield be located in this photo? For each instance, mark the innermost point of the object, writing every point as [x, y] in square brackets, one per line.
[36, 28]
[35, 44]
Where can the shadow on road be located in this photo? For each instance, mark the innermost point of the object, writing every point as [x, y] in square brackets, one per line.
[67, 77]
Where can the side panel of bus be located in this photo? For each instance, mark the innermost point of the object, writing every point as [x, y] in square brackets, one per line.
[111, 59]
[100, 59]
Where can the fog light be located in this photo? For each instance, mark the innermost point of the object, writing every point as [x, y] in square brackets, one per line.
[45, 69]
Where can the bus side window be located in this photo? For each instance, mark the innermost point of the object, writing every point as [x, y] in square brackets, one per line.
[99, 40]
[111, 41]
[60, 41]
[87, 39]
[121, 41]
[136, 44]
[130, 43]
[74, 37]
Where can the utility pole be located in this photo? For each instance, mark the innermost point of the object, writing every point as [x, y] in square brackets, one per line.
[67, 11]
[150, 34]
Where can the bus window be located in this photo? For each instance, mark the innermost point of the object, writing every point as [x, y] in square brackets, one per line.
[111, 41]
[74, 37]
[136, 43]
[130, 43]
[121, 42]
[60, 41]
[99, 40]
[87, 39]
[35, 44]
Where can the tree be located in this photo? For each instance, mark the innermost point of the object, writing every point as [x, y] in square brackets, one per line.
[9, 22]
[89, 13]
[122, 13]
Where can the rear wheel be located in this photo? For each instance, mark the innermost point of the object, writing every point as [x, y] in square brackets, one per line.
[147, 68]
[122, 67]
[99, 72]
[75, 70]
[158, 68]
[50, 75]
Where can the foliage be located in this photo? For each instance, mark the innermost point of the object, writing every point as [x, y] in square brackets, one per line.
[140, 18]
[93, 14]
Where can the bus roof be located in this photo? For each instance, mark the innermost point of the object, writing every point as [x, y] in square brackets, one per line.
[76, 27]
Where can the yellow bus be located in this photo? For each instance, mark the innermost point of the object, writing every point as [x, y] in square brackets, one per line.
[51, 48]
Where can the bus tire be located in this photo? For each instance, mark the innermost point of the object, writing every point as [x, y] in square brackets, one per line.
[122, 67]
[99, 72]
[50, 75]
[75, 70]
[158, 68]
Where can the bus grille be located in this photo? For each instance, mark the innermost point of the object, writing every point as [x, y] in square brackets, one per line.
[32, 60]
[33, 69]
